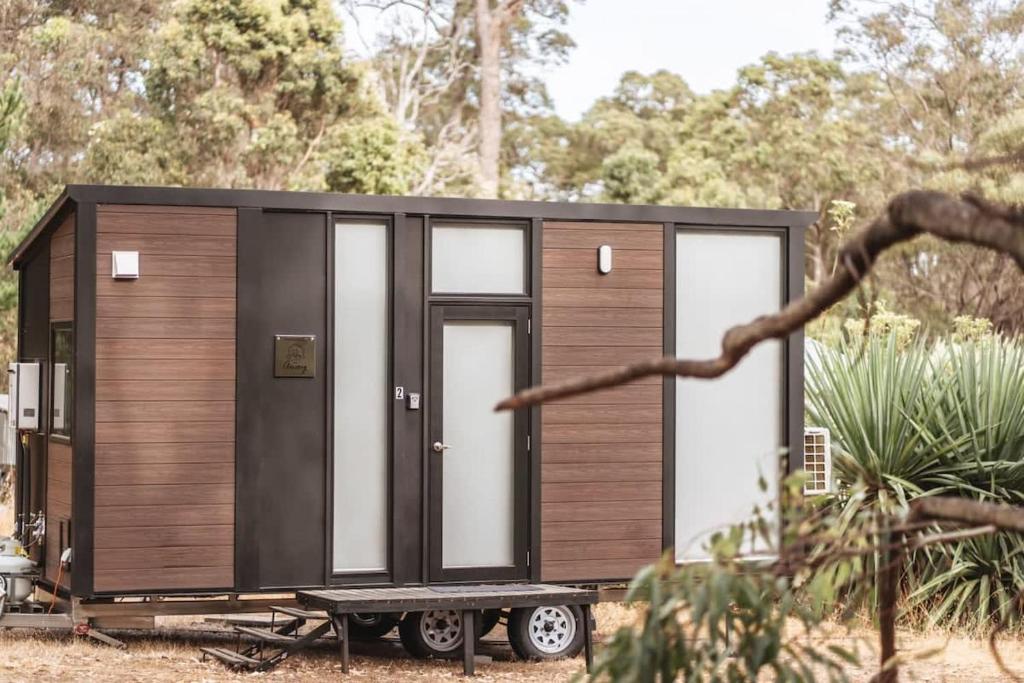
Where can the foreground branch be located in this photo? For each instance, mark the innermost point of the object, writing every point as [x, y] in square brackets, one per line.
[970, 220]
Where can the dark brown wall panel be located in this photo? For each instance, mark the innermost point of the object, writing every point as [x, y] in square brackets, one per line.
[601, 477]
[165, 400]
[59, 452]
[282, 421]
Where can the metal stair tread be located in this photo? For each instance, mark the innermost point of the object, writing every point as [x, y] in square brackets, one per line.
[299, 613]
[230, 657]
[266, 634]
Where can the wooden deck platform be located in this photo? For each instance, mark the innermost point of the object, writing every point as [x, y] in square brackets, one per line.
[339, 603]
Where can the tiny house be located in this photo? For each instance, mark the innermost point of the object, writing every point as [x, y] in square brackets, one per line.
[244, 391]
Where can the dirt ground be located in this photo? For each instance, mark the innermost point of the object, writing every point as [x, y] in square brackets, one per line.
[171, 655]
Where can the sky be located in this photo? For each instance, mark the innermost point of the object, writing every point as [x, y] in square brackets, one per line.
[705, 41]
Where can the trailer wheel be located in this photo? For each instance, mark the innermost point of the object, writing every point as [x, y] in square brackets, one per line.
[370, 625]
[488, 621]
[434, 633]
[544, 633]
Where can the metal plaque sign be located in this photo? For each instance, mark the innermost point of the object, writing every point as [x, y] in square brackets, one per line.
[294, 355]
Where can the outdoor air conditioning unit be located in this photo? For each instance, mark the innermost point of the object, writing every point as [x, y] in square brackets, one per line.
[817, 461]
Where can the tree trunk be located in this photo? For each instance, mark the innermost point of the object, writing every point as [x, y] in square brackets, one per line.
[489, 28]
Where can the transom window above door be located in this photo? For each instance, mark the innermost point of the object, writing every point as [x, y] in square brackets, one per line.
[478, 258]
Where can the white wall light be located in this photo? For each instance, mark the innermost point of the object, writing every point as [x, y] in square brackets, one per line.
[125, 265]
[604, 259]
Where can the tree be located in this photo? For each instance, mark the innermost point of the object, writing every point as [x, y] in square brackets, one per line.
[253, 94]
[953, 72]
[460, 73]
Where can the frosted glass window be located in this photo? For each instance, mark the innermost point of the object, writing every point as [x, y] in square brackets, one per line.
[361, 397]
[728, 430]
[477, 508]
[477, 259]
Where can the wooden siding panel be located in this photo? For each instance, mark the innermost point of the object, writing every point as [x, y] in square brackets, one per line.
[601, 475]
[169, 286]
[58, 452]
[603, 356]
[154, 454]
[166, 349]
[165, 536]
[594, 570]
[156, 265]
[183, 329]
[165, 494]
[153, 411]
[168, 578]
[165, 400]
[179, 515]
[161, 390]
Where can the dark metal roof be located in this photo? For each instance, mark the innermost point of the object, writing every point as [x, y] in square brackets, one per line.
[385, 204]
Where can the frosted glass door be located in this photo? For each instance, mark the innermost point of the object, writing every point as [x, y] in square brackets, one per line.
[478, 484]
[478, 468]
[728, 430]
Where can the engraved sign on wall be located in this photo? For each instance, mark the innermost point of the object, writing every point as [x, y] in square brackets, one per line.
[294, 355]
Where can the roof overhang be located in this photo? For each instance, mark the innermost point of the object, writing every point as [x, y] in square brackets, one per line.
[386, 204]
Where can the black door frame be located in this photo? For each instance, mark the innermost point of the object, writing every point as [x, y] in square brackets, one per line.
[519, 316]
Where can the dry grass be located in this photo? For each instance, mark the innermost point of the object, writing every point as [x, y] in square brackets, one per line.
[170, 655]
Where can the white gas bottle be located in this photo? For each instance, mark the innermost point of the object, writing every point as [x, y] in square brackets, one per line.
[15, 571]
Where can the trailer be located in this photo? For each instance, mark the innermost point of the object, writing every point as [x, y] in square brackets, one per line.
[226, 392]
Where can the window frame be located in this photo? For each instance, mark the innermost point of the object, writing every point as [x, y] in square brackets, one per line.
[64, 435]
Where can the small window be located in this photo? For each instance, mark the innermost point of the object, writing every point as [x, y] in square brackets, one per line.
[62, 381]
[478, 259]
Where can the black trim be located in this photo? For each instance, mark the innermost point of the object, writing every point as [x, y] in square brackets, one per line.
[83, 429]
[794, 345]
[448, 207]
[668, 392]
[536, 284]
[407, 434]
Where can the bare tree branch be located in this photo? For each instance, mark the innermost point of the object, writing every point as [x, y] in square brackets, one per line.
[968, 219]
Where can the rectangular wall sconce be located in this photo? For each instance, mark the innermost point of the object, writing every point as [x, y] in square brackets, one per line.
[604, 259]
[125, 265]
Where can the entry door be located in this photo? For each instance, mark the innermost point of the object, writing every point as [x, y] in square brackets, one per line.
[478, 458]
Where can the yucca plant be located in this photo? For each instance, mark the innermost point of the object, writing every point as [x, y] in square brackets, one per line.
[874, 398]
[972, 583]
[919, 421]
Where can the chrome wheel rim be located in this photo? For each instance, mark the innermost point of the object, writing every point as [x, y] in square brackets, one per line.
[552, 629]
[441, 629]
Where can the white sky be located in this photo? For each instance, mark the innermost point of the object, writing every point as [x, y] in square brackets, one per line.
[705, 41]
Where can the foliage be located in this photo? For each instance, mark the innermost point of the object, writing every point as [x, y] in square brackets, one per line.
[879, 321]
[919, 420]
[729, 621]
[967, 328]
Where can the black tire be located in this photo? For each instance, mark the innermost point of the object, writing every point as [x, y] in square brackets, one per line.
[488, 620]
[371, 625]
[433, 634]
[546, 633]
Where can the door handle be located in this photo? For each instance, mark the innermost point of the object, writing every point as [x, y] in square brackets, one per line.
[440, 447]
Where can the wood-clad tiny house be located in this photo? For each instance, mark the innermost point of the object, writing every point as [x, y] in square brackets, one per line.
[248, 390]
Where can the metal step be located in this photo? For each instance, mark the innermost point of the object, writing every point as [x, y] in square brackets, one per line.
[231, 658]
[265, 634]
[299, 613]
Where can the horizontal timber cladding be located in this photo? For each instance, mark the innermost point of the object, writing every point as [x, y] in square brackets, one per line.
[165, 400]
[58, 451]
[62, 271]
[601, 475]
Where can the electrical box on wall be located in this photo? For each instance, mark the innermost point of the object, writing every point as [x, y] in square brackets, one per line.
[125, 265]
[23, 388]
